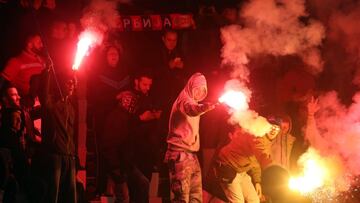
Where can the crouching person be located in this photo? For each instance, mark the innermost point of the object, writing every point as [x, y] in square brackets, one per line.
[238, 165]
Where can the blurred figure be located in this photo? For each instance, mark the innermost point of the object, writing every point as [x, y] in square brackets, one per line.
[12, 138]
[183, 140]
[61, 48]
[115, 147]
[21, 68]
[72, 33]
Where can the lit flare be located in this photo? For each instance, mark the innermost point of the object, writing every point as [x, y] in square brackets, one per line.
[86, 40]
[316, 173]
[235, 99]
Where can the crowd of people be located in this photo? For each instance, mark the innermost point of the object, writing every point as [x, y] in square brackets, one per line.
[146, 118]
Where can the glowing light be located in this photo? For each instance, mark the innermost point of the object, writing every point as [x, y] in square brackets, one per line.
[235, 99]
[86, 40]
[316, 173]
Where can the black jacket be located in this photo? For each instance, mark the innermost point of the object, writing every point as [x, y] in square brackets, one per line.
[58, 120]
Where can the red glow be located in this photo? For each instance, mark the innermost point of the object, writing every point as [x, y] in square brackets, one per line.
[86, 40]
[235, 99]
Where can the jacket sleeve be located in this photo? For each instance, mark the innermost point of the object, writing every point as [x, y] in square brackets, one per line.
[11, 70]
[255, 171]
[44, 94]
[194, 109]
[262, 148]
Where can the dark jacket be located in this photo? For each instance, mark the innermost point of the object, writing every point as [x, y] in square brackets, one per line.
[58, 120]
[115, 142]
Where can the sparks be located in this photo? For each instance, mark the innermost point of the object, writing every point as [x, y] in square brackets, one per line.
[86, 40]
[235, 99]
[318, 174]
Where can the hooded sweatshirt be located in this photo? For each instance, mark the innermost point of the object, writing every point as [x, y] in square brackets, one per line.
[185, 117]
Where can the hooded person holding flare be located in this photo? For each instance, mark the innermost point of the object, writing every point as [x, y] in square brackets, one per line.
[183, 140]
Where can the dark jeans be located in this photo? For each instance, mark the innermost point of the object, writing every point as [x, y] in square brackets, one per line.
[139, 186]
[133, 188]
[57, 173]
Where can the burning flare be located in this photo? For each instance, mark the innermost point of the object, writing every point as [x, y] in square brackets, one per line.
[318, 173]
[87, 39]
[235, 99]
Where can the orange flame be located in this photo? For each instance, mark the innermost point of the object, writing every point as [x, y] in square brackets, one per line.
[86, 40]
[318, 172]
[235, 99]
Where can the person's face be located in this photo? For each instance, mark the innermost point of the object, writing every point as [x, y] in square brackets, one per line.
[273, 132]
[170, 40]
[143, 85]
[59, 30]
[199, 93]
[16, 120]
[13, 98]
[285, 126]
[36, 44]
[69, 88]
[112, 57]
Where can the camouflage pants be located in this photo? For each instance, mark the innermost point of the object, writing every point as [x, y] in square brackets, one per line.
[185, 176]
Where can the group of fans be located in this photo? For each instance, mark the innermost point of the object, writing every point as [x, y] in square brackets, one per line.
[143, 117]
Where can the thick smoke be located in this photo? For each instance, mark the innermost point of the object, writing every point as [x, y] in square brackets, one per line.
[342, 52]
[338, 131]
[248, 119]
[270, 28]
[101, 15]
[273, 28]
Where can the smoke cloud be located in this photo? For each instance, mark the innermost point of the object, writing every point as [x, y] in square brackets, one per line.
[273, 28]
[342, 46]
[335, 135]
[270, 28]
[101, 15]
[338, 131]
[248, 119]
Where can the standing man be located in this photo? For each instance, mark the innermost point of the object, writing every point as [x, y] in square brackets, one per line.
[171, 74]
[183, 140]
[146, 138]
[55, 162]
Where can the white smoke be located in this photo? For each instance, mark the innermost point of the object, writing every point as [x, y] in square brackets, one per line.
[248, 119]
[273, 28]
[270, 28]
[338, 131]
[101, 15]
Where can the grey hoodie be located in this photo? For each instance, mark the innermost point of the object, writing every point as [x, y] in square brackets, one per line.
[185, 117]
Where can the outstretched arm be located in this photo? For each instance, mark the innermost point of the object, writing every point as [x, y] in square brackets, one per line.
[195, 109]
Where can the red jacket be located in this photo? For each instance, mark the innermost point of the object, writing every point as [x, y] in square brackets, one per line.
[20, 69]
